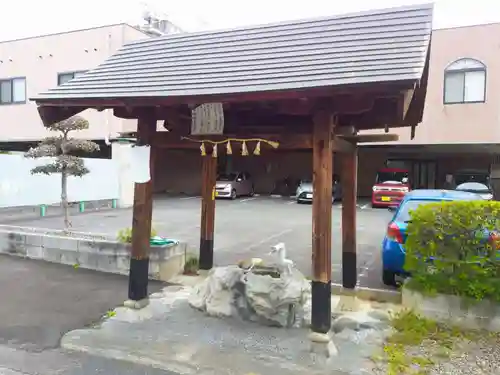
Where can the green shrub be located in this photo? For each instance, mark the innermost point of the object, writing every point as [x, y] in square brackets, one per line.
[465, 261]
[125, 235]
[191, 265]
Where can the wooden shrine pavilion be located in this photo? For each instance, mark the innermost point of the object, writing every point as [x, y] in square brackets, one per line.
[326, 79]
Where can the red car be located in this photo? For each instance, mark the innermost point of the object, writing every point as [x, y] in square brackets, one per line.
[390, 187]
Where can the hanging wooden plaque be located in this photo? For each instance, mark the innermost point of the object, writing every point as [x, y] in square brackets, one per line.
[207, 119]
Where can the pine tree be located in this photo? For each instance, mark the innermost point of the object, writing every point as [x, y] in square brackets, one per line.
[63, 149]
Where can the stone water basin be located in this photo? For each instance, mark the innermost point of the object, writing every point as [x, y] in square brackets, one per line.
[261, 295]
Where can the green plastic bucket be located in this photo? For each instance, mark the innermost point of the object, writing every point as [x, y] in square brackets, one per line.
[161, 241]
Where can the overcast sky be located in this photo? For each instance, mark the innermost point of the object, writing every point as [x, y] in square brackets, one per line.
[26, 18]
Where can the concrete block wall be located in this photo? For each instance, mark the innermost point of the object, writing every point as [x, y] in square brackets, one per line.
[476, 315]
[98, 254]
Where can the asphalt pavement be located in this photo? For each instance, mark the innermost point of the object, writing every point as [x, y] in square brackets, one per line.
[40, 302]
[15, 361]
[245, 228]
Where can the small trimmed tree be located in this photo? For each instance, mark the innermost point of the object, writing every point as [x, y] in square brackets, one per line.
[64, 151]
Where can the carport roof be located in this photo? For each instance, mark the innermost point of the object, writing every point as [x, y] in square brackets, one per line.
[384, 45]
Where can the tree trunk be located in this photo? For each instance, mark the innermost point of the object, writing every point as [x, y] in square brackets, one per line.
[64, 184]
[64, 198]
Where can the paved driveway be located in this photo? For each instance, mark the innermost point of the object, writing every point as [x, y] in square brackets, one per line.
[42, 301]
[245, 228]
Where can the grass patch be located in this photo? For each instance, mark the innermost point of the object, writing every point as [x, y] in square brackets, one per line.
[191, 266]
[417, 344]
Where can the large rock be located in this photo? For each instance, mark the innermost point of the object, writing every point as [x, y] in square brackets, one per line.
[214, 295]
[276, 301]
[358, 326]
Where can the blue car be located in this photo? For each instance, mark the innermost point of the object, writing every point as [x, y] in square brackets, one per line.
[393, 253]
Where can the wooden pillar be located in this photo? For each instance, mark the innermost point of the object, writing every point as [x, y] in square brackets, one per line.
[349, 172]
[141, 219]
[322, 222]
[207, 227]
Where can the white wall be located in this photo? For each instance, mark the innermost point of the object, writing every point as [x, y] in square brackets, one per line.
[18, 187]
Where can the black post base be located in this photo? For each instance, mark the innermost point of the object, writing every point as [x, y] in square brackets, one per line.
[349, 270]
[138, 279]
[206, 261]
[321, 314]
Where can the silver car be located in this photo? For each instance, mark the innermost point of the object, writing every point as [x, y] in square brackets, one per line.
[304, 193]
[484, 191]
[233, 185]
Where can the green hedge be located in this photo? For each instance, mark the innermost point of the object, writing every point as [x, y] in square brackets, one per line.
[452, 233]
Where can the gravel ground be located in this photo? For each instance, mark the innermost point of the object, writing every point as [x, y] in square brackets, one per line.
[467, 358]
[472, 358]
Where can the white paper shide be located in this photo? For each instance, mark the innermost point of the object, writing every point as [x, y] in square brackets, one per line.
[139, 164]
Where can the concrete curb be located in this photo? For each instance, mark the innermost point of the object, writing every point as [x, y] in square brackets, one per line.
[473, 315]
[369, 294]
[120, 355]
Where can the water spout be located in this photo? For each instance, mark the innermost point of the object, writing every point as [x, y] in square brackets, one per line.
[284, 264]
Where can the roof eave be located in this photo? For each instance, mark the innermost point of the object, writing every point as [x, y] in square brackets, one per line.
[415, 113]
[51, 115]
[269, 94]
[53, 110]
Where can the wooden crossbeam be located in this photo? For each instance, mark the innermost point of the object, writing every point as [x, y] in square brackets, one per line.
[404, 103]
[175, 141]
[341, 143]
[368, 138]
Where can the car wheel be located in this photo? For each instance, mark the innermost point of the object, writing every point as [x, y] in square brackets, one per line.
[233, 194]
[389, 278]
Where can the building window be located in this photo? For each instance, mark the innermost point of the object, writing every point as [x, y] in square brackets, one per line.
[465, 82]
[66, 77]
[13, 90]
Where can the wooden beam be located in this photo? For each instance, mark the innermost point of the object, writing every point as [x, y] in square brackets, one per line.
[341, 142]
[404, 103]
[340, 104]
[207, 226]
[367, 138]
[181, 116]
[175, 117]
[349, 172]
[286, 141]
[343, 146]
[346, 131]
[385, 112]
[141, 221]
[173, 140]
[322, 222]
[261, 129]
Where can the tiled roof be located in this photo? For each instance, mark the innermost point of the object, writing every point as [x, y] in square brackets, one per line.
[375, 46]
